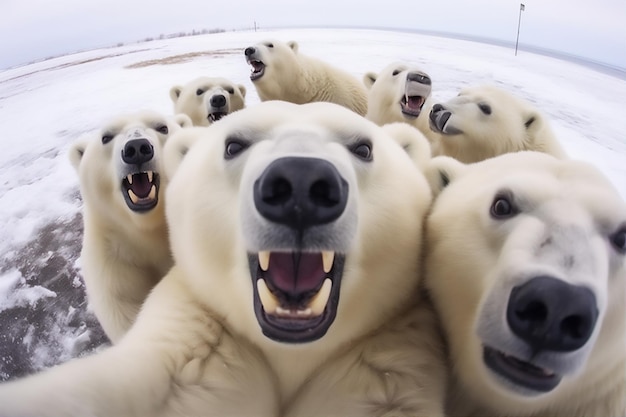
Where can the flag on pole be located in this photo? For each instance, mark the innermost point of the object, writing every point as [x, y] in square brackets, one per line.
[521, 6]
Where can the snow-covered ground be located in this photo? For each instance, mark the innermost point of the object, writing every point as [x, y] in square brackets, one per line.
[45, 106]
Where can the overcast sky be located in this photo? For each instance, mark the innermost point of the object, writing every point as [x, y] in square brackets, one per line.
[35, 29]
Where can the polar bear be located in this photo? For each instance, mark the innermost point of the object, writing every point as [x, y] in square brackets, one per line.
[281, 72]
[282, 300]
[412, 141]
[486, 121]
[400, 93]
[125, 245]
[207, 99]
[526, 264]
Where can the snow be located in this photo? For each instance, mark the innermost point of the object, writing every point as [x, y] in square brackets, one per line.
[46, 106]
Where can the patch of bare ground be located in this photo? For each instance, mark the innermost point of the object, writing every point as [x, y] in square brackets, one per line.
[190, 56]
[74, 63]
[51, 330]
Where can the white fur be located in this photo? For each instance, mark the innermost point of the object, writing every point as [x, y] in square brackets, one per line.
[386, 91]
[513, 125]
[567, 215]
[297, 78]
[125, 253]
[412, 141]
[198, 106]
[197, 347]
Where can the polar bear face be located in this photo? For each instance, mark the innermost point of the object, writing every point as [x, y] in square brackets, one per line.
[292, 221]
[271, 61]
[397, 94]
[526, 265]
[120, 168]
[207, 99]
[485, 121]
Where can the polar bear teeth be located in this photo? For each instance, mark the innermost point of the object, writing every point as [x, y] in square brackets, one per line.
[315, 307]
[327, 260]
[135, 199]
[129, 177]
[214, 117]
[328, 257]
[526, 366]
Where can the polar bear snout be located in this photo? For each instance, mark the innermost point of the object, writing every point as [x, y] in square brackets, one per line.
[137, 151]
[218, 100]
[550, 314]
[438, 119]
[301, 192]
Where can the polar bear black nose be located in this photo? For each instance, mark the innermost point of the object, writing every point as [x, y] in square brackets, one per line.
[137, 151]
[550, 314]
[300, 192]
[437, 107]
[218, 100]
[249, 51]
[420, 78]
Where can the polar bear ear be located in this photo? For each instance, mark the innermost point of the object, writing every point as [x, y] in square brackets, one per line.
[183, 120]
[76, 152]
[242, 89]
[293, 45]
[533, 122]
[412, 141]
[369, 79]
[441, 171]
[175, 93]
[176, 149]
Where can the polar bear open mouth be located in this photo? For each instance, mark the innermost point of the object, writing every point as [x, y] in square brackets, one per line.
[258, 69]
[414, 97]
[296, 293]
[520, 373]
[141, 190]
[215, 116]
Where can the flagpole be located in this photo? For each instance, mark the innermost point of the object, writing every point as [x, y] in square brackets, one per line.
[519, 22]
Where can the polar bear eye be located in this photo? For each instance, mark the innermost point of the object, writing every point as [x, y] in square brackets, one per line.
[363, 150]
[230, 90]
[234, 147]
[502, 207]
[619, 240]
[106, 138]
[395, 72]
[485, 108]
[199, 92]
[162, 129]
[269, 45]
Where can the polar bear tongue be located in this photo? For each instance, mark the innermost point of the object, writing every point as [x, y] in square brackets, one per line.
[141, 185]
[296, 273]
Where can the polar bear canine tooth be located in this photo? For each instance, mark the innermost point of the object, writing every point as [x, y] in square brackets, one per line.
[264, 259]
[135, 199]
[328, 258]
[319, 300]
[269, 301]
[150, 175]
[316, 307]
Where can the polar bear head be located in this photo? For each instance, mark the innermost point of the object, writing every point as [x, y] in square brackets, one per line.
[526, 263]
[486, 121]
[120, 168]
[208, 99]
[271, 61]
[299, 224]
[398, 94]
